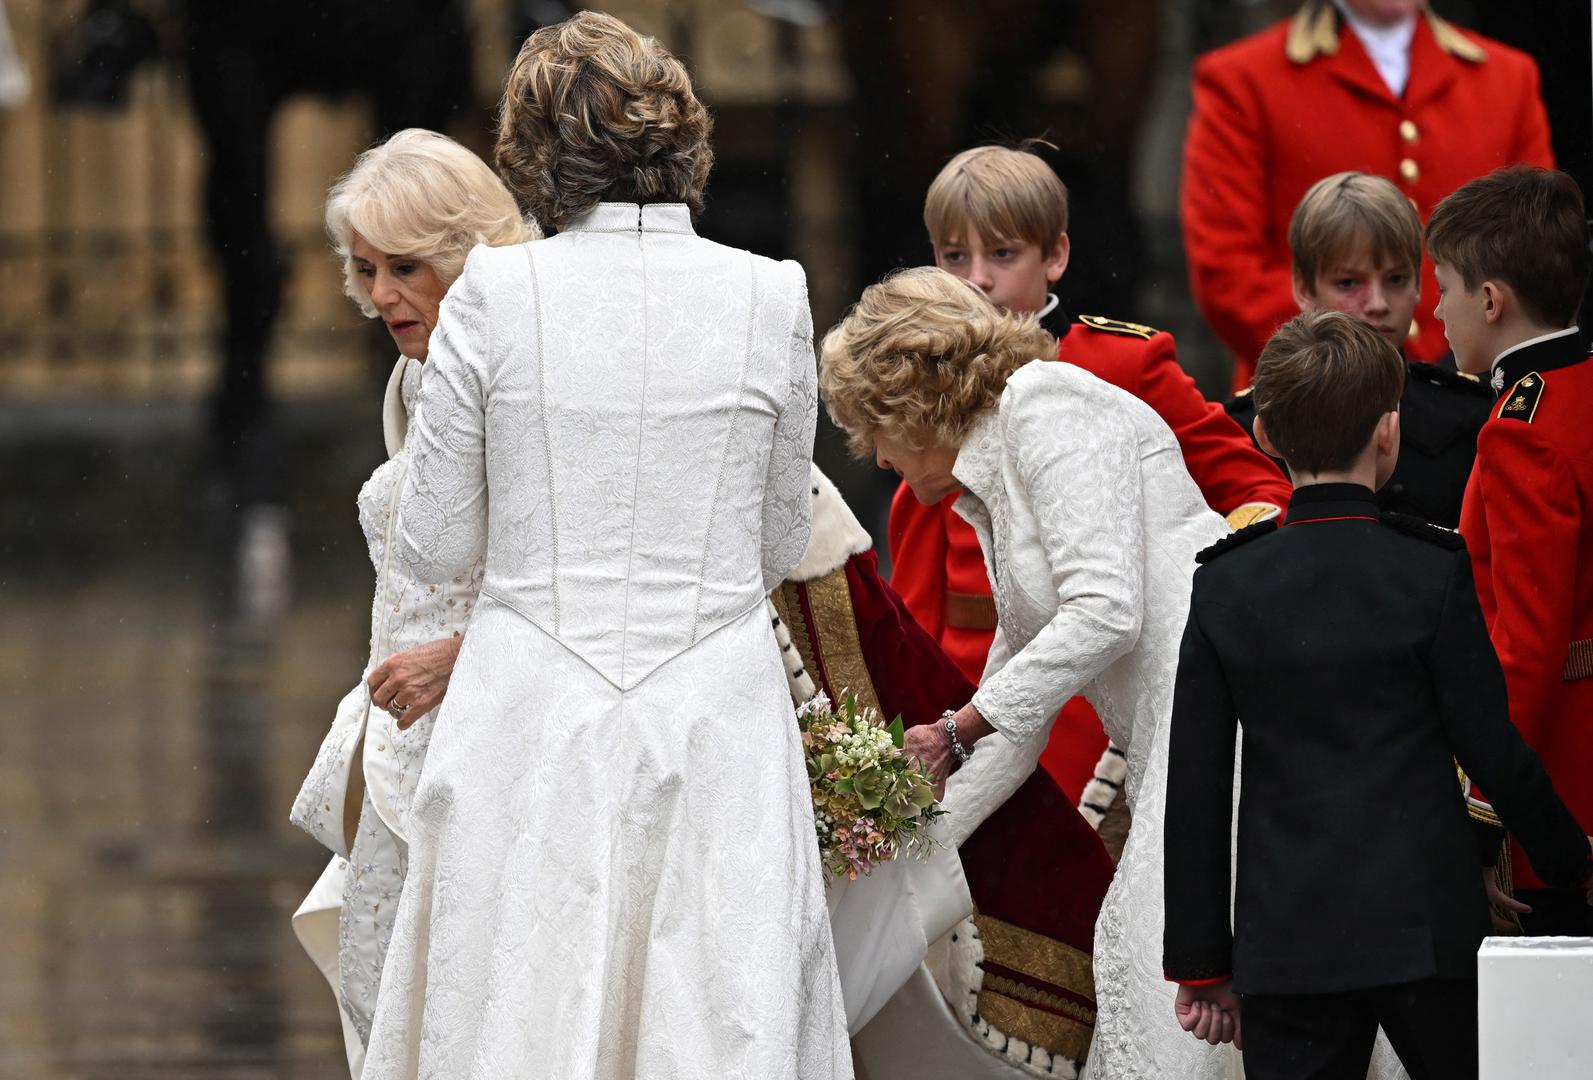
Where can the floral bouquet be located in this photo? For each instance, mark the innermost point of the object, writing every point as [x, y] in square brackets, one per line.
[871, 802]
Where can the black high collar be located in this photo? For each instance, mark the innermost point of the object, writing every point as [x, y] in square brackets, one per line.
[1056, 321]
[1326, 502]
[1559, 351]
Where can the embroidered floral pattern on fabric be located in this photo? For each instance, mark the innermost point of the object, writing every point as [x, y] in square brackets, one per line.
[610, 797]
[405, 612]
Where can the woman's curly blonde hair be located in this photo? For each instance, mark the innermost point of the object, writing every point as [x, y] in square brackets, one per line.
[919, 357]
[594, 111]
[420, 194]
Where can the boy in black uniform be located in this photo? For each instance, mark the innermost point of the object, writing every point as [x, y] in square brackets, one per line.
[1356, 243]
[1351, 643]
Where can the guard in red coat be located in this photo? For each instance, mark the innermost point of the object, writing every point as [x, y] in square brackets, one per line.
[1512, 256]
[1417, 100]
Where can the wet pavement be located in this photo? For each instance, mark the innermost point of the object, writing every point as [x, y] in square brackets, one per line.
[156, 717]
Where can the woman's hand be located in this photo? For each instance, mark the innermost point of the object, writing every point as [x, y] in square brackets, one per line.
[930, 744]
[411, 684]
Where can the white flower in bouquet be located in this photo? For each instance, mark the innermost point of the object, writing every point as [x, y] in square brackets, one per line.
[871, 802]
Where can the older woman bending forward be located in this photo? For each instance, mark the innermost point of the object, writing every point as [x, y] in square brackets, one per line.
[612, 865]
[1089, 524]
[402, 222]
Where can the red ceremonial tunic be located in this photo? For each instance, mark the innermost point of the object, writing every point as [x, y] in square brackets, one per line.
[1528, 522]
[1279, 110]
[939, 570]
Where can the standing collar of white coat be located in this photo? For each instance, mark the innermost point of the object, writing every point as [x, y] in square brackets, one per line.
[622, 217]
[978, 464]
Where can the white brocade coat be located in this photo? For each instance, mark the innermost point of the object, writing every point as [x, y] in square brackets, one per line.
[612, 866]
[345, 922]
[1090, 523]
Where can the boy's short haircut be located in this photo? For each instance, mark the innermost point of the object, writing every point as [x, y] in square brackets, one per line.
[1524, 227]
[1346, 213]
[1322, 384]
[999, 192]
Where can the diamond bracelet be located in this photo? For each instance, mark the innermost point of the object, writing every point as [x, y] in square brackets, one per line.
[950, 718]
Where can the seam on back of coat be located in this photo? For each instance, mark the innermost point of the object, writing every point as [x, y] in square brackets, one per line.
[547, 434]
[730, 436]
[636, 471]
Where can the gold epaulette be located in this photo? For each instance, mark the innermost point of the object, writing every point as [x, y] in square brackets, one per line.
[1242, 517]
[1521, 403]
[1117, 326]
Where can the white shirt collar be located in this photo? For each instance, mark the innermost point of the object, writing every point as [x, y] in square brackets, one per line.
[1388, 46]
[1497, 380]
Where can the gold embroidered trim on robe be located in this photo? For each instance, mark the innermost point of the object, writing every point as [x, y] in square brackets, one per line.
[1058, 1034]
[1036, 955]
[832, 634]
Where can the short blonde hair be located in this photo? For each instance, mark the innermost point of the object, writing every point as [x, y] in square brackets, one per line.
[1352, 211]
[920, 357]
[594, 111]
[1000, 193]
[420, 194]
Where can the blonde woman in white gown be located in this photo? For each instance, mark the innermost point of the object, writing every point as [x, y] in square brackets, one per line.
[613, 870]
[402, 222]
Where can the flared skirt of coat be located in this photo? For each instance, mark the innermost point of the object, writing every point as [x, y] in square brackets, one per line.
[610, 884]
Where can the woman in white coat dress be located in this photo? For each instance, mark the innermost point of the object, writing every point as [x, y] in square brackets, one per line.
[1089, 524]
[612, 864]
[402, 222]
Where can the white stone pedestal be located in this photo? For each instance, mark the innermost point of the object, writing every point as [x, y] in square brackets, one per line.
[1535, 1008]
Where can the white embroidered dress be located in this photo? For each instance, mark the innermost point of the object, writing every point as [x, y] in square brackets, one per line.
[346, 921]
[612, 866]
[1090, 523]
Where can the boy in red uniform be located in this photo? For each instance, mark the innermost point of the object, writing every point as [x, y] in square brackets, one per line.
[1383, 86]
[998, 217]
[1511, 251]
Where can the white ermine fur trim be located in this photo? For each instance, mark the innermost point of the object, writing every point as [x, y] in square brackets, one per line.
[1106, 786]
[797, 679]
[955, 962]
[837, 534]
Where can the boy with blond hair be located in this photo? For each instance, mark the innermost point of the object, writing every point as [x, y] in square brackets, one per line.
[1511, 253]
[998, 217]
[1350, 641]
[1356, 246]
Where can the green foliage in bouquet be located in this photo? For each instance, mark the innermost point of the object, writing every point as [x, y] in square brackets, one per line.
[871, 802]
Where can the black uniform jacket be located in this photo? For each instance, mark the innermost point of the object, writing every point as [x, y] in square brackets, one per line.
[1350, 644]
[1440, 414]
